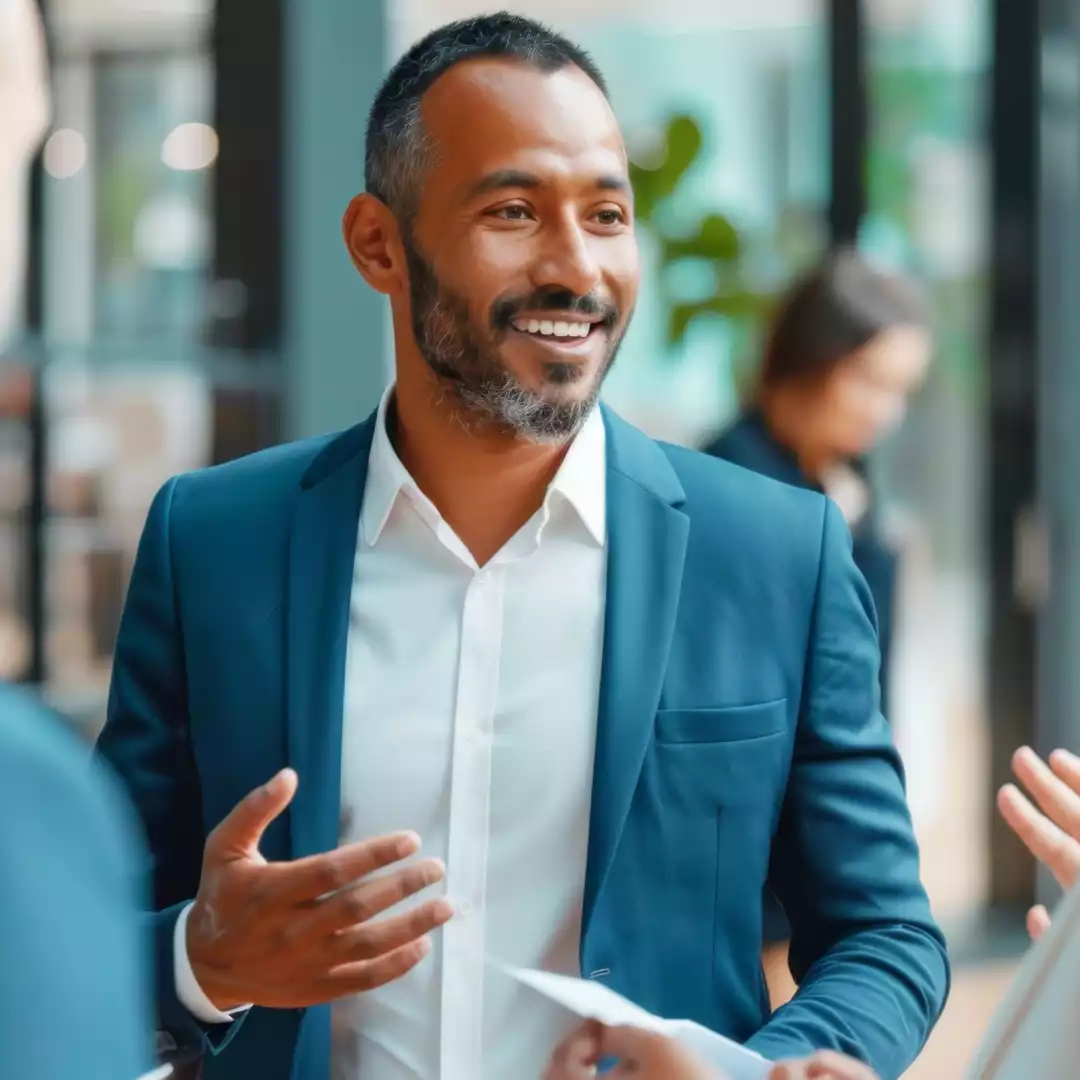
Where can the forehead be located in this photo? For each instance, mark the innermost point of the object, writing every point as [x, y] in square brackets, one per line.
[491, 114]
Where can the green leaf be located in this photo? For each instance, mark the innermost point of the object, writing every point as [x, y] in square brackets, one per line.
[715, 238]
[683, 142]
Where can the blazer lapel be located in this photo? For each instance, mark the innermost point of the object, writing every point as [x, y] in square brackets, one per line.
[322, 550]
[646, 548]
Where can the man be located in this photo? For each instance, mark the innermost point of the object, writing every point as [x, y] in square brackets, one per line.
[74, 971]
[614, 686]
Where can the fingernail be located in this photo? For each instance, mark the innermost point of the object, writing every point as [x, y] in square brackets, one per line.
[408, 844]
[424, 946]
[1064, 757]
[443, 911]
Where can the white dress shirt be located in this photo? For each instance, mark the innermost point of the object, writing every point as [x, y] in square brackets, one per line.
[470, 717]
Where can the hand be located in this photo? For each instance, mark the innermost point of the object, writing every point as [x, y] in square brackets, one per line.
[826, 1065]
[1052, 836]
[292, 934]
[641, 1054]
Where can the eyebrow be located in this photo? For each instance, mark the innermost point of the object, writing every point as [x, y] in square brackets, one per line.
[515, 178]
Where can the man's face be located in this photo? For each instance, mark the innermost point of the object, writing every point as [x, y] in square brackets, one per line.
[522, 261]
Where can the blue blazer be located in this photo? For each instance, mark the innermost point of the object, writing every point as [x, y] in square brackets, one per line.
[75, 972]
[739, 740]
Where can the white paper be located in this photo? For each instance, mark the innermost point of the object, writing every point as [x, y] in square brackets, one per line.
[1035, 1034]
[592, 1000]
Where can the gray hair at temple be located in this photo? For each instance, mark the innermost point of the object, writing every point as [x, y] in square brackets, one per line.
[398, 150]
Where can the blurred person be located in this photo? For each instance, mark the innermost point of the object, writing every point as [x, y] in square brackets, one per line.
[74, 982]
[1051, 832]
[75, 979]
[647, 1055]
[442, 618]
[847, 348]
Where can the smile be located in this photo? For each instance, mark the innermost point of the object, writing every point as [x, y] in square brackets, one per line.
[550, 328]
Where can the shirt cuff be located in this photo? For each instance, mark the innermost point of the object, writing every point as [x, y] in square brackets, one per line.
[188, 990]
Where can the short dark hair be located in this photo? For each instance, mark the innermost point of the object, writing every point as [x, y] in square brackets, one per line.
[397, 149]
[833, 311]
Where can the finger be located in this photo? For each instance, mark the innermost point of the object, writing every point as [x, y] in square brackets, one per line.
[829, 1065]
[1067, 768]
[1041, 837]
[1038, 922]
[576, 1057]
[364, 975]
[320, 876]
[1056, 799]
[367, 898]
[240, 832]
[787, 1070]
[371, 940]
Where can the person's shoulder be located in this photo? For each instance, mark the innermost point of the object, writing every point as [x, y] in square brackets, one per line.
[717, 482]
[255, 490]
[42, 757]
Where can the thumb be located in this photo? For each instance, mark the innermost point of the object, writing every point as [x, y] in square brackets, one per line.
[239, 833]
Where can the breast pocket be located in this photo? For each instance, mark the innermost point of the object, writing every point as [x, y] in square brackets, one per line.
[731, 724]
[731, 758]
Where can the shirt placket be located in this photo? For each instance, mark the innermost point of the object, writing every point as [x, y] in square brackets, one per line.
[463, 953]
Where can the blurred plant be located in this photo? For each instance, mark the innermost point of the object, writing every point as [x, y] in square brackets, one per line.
[712, 243]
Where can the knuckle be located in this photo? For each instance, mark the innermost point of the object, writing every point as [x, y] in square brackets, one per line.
[358, 905]
[333, 876]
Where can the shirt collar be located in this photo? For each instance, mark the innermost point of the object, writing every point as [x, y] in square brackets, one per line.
[581, 479]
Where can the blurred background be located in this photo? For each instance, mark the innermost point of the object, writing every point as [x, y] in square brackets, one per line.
[188, 300]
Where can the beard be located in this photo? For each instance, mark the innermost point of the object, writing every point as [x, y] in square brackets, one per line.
[468, 366]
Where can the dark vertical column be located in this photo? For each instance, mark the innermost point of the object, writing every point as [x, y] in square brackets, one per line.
[36, 521]
[245, 304]
[1013, 525]
[1058, 722]
[848, 113]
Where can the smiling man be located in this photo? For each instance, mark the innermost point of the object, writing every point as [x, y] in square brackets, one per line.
[613, 687]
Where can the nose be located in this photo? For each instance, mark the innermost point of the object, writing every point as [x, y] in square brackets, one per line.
[566, 260]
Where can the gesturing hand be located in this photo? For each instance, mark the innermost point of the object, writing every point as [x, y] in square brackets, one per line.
[1052, 836]
[293, 934]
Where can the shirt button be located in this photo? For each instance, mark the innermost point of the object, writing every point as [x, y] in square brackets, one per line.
[465, 907]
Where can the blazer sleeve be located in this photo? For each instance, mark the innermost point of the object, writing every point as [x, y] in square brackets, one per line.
[146, 740]
[869, 958]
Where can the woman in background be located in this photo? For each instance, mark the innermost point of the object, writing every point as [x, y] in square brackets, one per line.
[848, 346]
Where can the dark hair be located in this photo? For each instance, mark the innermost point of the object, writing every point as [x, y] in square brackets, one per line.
[397, 149]
[836, 309]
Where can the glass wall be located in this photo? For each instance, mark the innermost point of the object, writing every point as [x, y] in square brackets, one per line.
[131, 394]
[927, 174]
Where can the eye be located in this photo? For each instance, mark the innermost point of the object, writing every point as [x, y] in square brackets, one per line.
[511, 212]
[610, 217]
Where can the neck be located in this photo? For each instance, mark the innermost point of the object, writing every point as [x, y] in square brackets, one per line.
[788, 417]
[485, 482]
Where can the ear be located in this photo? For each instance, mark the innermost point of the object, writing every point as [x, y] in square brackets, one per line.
[374, 243]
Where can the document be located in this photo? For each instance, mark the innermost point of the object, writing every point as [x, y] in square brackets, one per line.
[1035, 1034]
[593, 1001]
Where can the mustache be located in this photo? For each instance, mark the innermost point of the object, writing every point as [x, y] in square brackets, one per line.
[504, 311]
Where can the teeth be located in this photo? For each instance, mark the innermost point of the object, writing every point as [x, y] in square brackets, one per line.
[548, 328]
